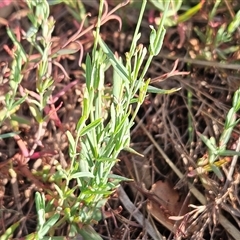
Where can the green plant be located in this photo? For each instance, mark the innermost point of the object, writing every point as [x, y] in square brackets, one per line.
[215, 157]
[108, 132]
[172, 16]
[83, 187]
[215, 38]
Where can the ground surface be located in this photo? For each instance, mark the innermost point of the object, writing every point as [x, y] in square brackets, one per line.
[166, 121]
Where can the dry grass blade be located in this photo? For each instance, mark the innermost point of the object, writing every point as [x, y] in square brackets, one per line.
[60, 61]
[138, 215]
[229, 227]
[168, 55]
[232, 167]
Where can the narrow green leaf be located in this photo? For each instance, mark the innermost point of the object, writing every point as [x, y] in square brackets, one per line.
[118, 85]
[230, 119]
[31, 33]
[190, 13]
[70, 138]
[81, 175]
[59, 190]
[40, 206]
[207, 142]
[97, 191]
[64, 51]
[236, 100]
[8, 135]
[152, 39]
[152, 89]
[19, 101]
[14, 39]
[107, 159]
[21, 119]
[50, 223]
[88, 232]
[71, 143]
[217, 171]
[131, 150]
[90, 126]
[9, 232]
[32, 236]
[118, 177]
[212, 157]
[224, 138]
[89, 69]
[117, 65]
[35, 112]
[234, 24]
[229, 153]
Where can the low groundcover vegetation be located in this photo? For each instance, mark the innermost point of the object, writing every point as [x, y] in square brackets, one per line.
[119, 119]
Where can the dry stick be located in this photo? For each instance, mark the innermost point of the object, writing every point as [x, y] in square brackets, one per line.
[231, 170]
[232, 230]
[16, 193]
[138, 215]
[166, 55]
[142, 119]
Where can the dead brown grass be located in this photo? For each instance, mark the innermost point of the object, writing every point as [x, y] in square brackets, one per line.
[164, 117]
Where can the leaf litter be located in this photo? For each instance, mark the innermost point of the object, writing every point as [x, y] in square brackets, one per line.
[173, 120]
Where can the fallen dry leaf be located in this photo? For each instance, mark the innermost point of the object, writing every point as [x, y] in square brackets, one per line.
[166, 202]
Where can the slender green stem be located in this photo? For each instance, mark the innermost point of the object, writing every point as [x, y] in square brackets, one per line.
[135, 38]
